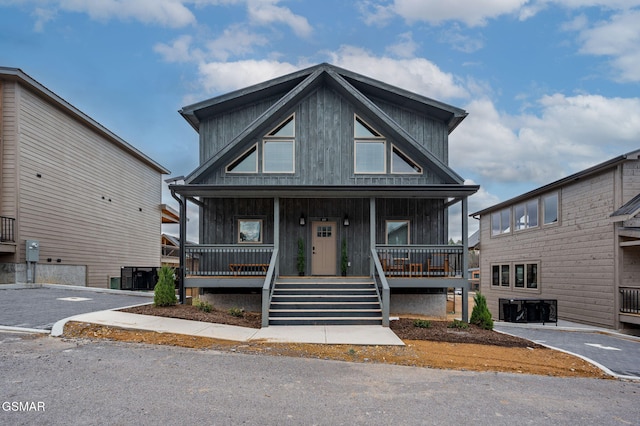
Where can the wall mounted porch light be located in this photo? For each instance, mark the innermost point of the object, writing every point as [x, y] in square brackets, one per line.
[302, 221]
[345, 222]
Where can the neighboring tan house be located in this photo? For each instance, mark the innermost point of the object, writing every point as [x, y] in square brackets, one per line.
[325, 172]
[76, 200]
[576, 240]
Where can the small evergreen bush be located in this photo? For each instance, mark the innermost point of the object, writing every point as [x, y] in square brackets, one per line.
[481, 316]
[165, 289]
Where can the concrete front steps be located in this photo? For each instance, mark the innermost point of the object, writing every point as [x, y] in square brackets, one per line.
[325, 301]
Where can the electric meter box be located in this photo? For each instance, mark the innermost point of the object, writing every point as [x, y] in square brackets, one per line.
[33, 250]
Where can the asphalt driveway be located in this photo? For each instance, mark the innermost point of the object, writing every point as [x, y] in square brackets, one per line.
[616, 352]
[41, 307]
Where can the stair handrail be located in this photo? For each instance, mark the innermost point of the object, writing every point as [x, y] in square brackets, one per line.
[268, 286]
[384, 298]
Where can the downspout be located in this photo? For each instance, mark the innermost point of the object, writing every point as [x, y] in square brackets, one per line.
[182, 252]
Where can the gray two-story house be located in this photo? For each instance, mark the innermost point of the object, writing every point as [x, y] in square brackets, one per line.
[324, 198]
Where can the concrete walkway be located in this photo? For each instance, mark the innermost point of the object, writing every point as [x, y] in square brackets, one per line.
[333, 335]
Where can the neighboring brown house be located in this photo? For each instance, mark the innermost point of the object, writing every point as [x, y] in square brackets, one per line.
[86, 201]
[576, 240]
[325, 173]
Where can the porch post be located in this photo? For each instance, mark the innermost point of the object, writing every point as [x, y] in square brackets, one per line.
[276, 231]
[465, 258]
[372, 232]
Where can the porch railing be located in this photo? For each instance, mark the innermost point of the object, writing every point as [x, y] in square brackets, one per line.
[630, 300]
[382, 288]
[429, 261]
[6, 229]
[228, 260]
[268, 287]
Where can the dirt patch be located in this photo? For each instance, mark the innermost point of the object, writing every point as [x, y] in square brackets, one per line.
[438, 346]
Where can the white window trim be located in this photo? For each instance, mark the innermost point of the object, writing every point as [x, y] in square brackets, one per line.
[368, 139]
[293, 154]
[386, 234]
[254, 146]
[355, 154]
[394, 147]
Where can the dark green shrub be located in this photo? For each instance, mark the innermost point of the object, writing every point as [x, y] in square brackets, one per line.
[421, 323]
[458, 324]
[481, 316]
[165, 289]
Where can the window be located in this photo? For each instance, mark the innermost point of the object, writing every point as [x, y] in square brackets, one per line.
[397, 232]
[249, 231]
[526, 275]
[526, 215]
[550, 206]
[246, 163]
[500, 275]
[278, 148]
[501, 222]
[505, 277]
[370, 149]
[401, 163]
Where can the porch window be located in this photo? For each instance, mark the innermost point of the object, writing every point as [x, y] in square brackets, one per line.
[397, 232]
[278, 148]
[370, 149]
[245, 163]
[249, 231]
[550, 206]
[401, 163]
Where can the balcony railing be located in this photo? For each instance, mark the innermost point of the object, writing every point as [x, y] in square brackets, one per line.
[227, 260]
[6, 229]
[630, 300]
[430, 261]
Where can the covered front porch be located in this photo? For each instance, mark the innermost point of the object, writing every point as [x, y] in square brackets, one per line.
[248, 243]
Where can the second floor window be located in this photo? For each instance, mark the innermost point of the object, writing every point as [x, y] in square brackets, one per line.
[370, 149]
[278, 148]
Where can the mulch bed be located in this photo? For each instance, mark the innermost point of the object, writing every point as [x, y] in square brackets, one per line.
[439, 331]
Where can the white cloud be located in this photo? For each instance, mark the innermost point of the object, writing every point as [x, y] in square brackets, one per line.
[266, 12]
[569, 134]
[417, 75]
[617, 38]
[220, 77]
[178, 51]
[42, 17]
[170, 13]
[235, 41]
[473, 13]
[405, 47]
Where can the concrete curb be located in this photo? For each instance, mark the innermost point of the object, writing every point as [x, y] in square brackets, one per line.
[10, 329]
[22, 286]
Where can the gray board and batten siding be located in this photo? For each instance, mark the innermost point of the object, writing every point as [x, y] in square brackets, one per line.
[324, 143]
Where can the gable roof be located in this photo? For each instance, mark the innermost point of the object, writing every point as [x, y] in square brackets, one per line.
[293, 87]
[598, 168]
[16, 74]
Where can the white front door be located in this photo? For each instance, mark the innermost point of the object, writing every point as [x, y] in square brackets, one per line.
[323, 257]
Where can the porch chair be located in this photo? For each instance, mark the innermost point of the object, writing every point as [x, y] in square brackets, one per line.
[438, 264]
[390, 265]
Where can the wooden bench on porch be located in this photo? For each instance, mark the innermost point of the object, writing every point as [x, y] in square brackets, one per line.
[237, 268]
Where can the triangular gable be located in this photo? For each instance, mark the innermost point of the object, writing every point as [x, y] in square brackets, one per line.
[309, 79]
[258, 126]
[393, 130]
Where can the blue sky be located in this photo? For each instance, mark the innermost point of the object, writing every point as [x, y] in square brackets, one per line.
[551, 86]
